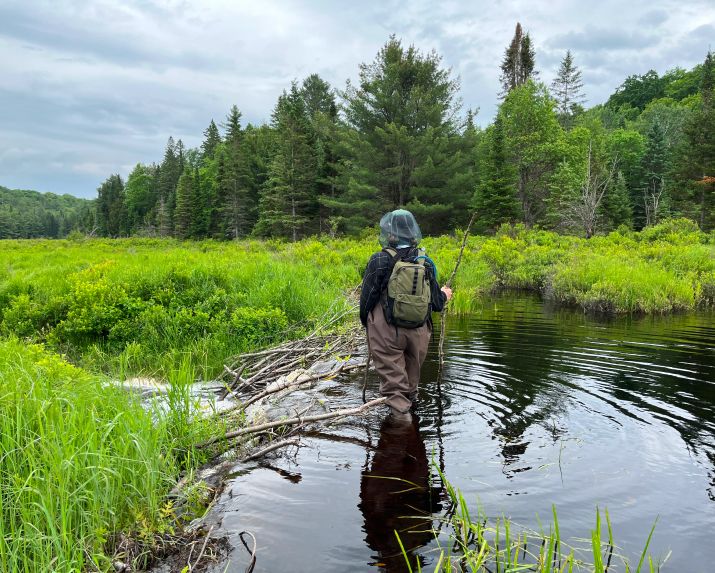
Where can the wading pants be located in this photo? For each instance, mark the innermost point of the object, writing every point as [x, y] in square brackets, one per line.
[398, 354]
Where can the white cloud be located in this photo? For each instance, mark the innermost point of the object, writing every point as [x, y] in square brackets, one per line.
[98, 86]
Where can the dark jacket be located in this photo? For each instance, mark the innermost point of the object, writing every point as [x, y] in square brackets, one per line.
[377, 273]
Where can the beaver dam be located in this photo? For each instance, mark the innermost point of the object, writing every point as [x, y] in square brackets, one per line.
[536, 407]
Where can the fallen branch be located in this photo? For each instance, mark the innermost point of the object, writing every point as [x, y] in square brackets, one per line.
[273, 446]
[291, 421]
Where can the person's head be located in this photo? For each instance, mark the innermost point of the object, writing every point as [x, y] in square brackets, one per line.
[399, 229]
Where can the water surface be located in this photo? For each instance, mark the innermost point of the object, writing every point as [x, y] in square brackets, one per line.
[537, 406]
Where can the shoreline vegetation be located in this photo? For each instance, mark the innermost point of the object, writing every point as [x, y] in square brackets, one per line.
[85, 466]
[139, 306]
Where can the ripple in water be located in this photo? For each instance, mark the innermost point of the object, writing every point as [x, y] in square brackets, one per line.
[537, 407]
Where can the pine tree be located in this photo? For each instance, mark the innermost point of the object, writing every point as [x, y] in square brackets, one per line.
[518, 64]
[402, 143]
[567, 89]
[318, 97]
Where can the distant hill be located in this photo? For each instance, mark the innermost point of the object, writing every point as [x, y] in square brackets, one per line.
[30, 214]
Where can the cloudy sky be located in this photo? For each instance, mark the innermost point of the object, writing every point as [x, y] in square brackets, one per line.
[90, 88]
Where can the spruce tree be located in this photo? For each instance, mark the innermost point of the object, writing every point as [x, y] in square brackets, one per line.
[289, 196]
[495, 200]
[567, 89]
[518, 64]
[185, 201]
[212, 138]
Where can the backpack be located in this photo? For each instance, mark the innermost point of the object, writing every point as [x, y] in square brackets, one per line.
[408, 295]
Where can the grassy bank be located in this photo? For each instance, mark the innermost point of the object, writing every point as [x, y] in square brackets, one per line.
[82, 461]
[140, 306]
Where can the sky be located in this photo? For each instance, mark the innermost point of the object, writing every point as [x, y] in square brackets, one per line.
[90, 88]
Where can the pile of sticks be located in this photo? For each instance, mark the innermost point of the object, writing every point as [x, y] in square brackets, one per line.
[253, 376]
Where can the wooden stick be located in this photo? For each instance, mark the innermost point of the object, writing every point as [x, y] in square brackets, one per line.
[203, 548]
[291, 421]
[273, 446]
[448, 284]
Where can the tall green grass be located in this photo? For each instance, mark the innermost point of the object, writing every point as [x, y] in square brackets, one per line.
[141, 305]
[480, 545]
[80, 461]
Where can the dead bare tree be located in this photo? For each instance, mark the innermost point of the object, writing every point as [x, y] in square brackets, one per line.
[652, 196]
[584, 210]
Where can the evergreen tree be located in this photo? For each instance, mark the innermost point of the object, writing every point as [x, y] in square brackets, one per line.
[567, 89]
[654, 168]
[170, 170]
[318, 97]
[233, 126]
[696, 161]
[212, 138]
[289, 196]
[402, 136]
[518, 64]
[617, 205]
[495, 200]
[185, 204]
[111, 215]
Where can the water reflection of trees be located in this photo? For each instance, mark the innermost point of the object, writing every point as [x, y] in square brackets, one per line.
[537, 358]
[395, 495]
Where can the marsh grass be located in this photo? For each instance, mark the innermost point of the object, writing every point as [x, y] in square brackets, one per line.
[81, 462]
[139, 306]
[480, 545]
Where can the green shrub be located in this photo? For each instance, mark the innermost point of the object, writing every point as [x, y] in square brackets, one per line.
[257, 326]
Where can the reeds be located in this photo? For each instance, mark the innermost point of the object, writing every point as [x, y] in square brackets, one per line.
[480, 545]
[81, 461]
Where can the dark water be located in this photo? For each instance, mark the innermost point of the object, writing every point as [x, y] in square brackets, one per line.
[537, 407]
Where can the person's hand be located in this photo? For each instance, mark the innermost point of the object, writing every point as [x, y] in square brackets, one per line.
[447, 291]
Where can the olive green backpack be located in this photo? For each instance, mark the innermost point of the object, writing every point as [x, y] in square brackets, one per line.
[408, 295]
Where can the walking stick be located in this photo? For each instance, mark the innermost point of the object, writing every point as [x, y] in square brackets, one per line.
[443, 314]
[367, 367]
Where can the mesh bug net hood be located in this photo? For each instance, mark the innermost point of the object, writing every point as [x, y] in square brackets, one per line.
[399, 229]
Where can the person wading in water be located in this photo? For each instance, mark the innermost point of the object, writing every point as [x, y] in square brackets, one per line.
[399, 293]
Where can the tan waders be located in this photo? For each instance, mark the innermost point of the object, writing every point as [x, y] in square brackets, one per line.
[398, 354]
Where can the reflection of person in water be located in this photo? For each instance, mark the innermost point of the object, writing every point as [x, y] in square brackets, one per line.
[395, 492]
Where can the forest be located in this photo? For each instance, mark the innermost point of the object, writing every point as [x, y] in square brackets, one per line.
[332, 161]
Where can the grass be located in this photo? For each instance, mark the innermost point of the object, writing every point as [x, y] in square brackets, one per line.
[82, 461]
[141, 305]
[479, 545]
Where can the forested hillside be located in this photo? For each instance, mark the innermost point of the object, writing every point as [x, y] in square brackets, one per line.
[331, 161]
[29, 214]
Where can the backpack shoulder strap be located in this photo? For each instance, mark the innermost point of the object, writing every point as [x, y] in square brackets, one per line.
[392, 252]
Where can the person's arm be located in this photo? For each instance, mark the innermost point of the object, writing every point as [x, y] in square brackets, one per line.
[372, 283]
[439, 296]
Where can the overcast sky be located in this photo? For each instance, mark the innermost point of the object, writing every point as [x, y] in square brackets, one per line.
[91, 88]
